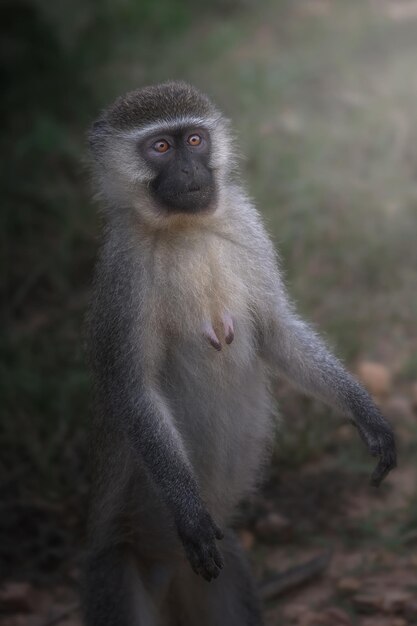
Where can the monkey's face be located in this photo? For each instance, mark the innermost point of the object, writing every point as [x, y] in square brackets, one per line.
[165, 153]
[183, 178]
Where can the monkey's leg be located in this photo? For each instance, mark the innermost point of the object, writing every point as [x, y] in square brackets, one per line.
[113, 593]
[231, 599]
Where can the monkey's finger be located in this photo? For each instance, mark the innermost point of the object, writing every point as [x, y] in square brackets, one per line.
[207, 576]
[379, 474]
[194, 561]
[219, 534]
[197, 555]
[218, 559]
[215, 572]
[210, 570]
[385, 465]
[207, 571]
[208, 567]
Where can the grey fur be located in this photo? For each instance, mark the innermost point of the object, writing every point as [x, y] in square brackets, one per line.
[181, 430]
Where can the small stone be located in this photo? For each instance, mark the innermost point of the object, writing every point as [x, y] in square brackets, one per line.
[376, 377]
[396, 600]
[369, 602]
[246, 539]
[272, 527]
[348, 585]
[294, 612]
[17, 597]
[388, 601]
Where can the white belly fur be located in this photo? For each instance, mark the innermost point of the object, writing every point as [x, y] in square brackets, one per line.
[219, 400]
[223, 412]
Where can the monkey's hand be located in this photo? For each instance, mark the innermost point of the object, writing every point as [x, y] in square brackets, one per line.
[378, 436]
[198, 534]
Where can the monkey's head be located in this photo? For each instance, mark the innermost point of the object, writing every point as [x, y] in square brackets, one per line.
[162, 151]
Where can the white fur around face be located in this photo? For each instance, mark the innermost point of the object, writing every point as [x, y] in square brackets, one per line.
[123, 176]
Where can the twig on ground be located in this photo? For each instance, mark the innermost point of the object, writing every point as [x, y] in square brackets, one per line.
[283, 582]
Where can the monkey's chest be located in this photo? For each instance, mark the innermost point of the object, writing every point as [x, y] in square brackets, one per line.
[202, 300]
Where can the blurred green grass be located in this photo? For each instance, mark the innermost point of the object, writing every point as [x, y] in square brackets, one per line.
[323, 98]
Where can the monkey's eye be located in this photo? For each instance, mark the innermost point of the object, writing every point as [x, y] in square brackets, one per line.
[161, 146]
[194, 140]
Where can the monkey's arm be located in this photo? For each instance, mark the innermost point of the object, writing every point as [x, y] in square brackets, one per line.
[152, 434]
[125, 362]
[144, 417]
[304, 360]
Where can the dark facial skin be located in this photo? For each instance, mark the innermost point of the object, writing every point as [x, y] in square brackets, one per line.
[184, 181]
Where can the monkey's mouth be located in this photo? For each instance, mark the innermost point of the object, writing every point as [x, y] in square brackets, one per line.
[190, 191]
[194, 193]
[192, 198]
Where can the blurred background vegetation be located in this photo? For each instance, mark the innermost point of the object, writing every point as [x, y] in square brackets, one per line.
[323, 95]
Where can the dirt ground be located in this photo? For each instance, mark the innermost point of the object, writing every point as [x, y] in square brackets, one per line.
[323, 507]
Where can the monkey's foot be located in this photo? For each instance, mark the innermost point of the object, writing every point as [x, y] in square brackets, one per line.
[228, 330]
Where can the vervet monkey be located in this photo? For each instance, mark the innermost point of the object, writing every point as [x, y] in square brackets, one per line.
[189, 321]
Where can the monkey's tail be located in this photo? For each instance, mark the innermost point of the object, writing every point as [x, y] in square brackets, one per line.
[281, 582]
